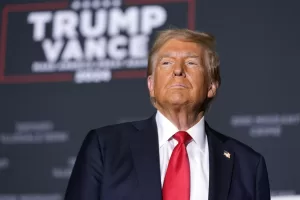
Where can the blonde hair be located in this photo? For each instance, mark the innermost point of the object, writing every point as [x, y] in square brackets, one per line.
[205, 40]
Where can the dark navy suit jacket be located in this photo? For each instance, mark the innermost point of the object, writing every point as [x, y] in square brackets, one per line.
[122, 162]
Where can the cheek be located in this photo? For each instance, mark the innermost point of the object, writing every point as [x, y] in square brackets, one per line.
[164, 72]
[158, 84]
[161, 79]
[199, 82]
[198, 76]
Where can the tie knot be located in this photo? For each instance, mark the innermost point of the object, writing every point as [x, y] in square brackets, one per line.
[182, 137]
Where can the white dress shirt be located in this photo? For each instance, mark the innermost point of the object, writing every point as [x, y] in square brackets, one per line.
[197, 151]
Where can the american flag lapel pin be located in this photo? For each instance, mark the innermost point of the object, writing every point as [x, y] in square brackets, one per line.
[227, 154]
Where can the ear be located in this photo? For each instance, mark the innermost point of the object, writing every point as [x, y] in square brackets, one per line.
[212, 90]
[150, 82]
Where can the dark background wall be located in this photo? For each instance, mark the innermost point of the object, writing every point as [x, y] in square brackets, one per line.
[45, 114]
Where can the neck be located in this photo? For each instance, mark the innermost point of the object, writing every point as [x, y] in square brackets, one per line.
[182, 118]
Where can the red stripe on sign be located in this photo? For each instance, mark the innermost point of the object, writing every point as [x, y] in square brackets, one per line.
[138, 2]
[36, 6]
[192, 14]
[3, 42]
[129, 74]
[41, 78]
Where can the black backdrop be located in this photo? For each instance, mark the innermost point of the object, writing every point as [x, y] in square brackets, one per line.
[55, 85]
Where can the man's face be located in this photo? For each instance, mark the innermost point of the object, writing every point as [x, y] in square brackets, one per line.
[179, 76]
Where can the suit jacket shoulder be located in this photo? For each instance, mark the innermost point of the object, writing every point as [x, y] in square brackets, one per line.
[235, 145]
[120, 131]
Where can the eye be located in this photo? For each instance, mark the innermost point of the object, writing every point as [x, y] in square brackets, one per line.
[166, 62]
[191, 63]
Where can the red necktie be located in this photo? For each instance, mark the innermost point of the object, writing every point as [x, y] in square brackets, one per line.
[177, 180]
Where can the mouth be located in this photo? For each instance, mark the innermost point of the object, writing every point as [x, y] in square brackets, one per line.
[178, 85]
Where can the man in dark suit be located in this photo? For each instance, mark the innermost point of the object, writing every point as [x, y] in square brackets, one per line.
[173, 155]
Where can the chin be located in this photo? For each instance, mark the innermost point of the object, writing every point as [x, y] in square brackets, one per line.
[177, 101]
[176, 98]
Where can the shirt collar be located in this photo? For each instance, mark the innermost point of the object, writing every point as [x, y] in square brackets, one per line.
[166, 129]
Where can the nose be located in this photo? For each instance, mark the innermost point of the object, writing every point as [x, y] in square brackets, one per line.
[179, 70]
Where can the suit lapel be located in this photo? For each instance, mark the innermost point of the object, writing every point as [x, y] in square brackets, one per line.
[145, 152]
[221, 160]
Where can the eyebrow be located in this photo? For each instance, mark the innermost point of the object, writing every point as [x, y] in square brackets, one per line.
[183, 54]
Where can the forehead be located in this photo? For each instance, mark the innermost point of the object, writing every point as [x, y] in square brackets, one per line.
[175, 47]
